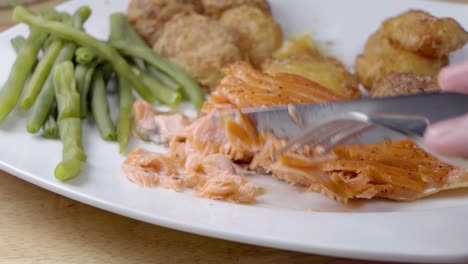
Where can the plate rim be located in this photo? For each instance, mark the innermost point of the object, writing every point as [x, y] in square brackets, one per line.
[263, 241]
[237, 237]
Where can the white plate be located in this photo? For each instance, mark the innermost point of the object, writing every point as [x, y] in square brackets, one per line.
[433, 229]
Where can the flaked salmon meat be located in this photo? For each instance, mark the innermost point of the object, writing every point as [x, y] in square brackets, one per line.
[215, 159]
[151, 125]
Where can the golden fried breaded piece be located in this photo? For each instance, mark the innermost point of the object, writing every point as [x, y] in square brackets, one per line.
[215, 8]
[149, 16]
[404, 83]
[299, 46]
[380, 58]
[326, 71]
[257, 32]
[201, 45]
[422, 33]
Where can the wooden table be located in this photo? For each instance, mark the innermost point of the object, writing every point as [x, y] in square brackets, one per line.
[38, 226]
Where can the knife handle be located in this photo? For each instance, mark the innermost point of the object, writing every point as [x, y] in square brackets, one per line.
[434, 106]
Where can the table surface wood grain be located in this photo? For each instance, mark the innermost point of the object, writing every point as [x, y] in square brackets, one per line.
[38, 226]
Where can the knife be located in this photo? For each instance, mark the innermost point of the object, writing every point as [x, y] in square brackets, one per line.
[288, 121]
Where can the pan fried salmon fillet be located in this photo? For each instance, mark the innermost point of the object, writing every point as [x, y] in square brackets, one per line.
[210, 158]
[215, 159]
[243, 87]
[397, 170]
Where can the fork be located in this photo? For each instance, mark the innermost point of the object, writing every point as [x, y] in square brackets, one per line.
[342, 129]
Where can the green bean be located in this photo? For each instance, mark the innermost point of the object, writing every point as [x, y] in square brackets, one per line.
[99, 48]
[45, 97]
[124, 124]
[73, 155]
[52, 46]
[64, 16]
[88, 80]
[69, 123]
[66, 91]
[81, 71]
[47, 43]
[162, 93]
[50, 127]
[41, 73]
[80, 76]
[191, 90]
[66, 94]
[126, 40]
[166, 80]
[100, 107]
[84, 55]
[12, 89]
[18, 43]
[107, 71]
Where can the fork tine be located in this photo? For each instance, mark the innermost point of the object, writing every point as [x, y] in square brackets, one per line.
[335, 128]
[313, 136]
[328, 135]
[345, 136]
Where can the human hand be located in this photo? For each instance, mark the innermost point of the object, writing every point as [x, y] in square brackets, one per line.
[450, 137]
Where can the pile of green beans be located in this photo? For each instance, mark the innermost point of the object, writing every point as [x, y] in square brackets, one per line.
[69, 81]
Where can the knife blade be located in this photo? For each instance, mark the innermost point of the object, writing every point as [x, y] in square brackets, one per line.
[288, 121]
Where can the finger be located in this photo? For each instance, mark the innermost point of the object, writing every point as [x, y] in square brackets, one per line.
[454, 78]
[449, 137]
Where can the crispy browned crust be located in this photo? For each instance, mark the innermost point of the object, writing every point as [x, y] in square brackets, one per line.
[381, 58]
[201, 45]
[404, 83]
[420, 32]
[149, 16]
[215, 8]
[257, 32]
[414, 43]
[326, 71]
